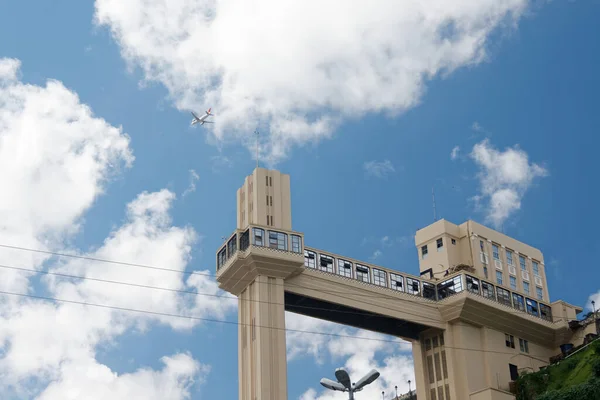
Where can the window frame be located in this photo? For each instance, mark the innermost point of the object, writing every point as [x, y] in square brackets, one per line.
[394, 278]
[342, 270]
[296, 243]
[378, 275]
[278, 240]
[330, 268]
[410, 284]
[499, 278]
[255, 235]
[307, 259]
[364, 275]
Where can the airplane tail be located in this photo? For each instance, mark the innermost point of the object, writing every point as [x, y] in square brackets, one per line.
[208, 111]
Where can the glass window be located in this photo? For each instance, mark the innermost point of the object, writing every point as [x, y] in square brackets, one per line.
[296, 244]
[526, 287]
[518, 302]
[495, 251]
[435, 342]
[309, 259]
[429, 292]
[481, 246]
[453, 241]
[545, 312]
[540, 293]
[524, 345]
[499, 277]
[258, 237]
[472, 284]
[362, 273]
[509, 340]
[427, 344]
[513, 283]
[440, 244]
[536, 268]
[413, 286]
[326, 263]
[503, 296]
[232, 245]
[344, 268]
[487, 290]
[485, 272]
[522, 263]
[245, 240]
[278, 240]
[509, 258]
[396, 282]
[532, 307]
[424, 252]
[221, 257]
[379, 277]
[449, 287]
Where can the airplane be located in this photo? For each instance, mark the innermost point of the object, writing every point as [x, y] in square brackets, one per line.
[202, 120]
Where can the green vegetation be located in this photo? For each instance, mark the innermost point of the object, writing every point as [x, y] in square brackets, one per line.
[575, 378]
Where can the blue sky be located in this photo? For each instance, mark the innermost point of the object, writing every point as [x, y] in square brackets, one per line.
[369, 139]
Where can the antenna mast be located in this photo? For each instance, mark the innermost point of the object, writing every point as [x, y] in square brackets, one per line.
[256, 132]
[434, 211]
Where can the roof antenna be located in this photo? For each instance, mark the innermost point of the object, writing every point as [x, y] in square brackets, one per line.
[256, 132]
[434, 211]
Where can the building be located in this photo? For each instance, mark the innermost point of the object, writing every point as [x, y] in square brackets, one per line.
[478, 314]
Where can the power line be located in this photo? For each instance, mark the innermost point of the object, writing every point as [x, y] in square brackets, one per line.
[163, 314]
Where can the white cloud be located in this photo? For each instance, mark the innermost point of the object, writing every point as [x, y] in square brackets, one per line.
[55, 160]
[192, 186]
[379, 169]
[299, 68]
[455, 152]
[505, 176]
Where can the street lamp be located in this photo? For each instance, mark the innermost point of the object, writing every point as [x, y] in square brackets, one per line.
[343, 382]
[409, 391]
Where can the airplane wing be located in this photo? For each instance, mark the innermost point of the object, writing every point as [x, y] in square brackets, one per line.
[207, 122]
[195, 116]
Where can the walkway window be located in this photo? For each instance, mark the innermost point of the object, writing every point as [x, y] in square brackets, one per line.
[221, 257]
[296, 244]
[232, 246]
[449, 287]
[503, 296]
[413, 286]
[545, 312]
[472, 284]
[310, 259]
[344, 268]
[429, 292]
[396, 282]
[519, 302]
[379, 277]
[487, 290]
[258, 237]
[362, 273]
[326, 263]
[245, 240]
[278, 240]
[532, 307]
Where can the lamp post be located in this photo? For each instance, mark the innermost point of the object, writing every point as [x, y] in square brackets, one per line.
[343, 382]
[409, 391]
[595, 322]
[396, 387]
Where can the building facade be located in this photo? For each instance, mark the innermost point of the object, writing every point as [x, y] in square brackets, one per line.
[478, 314]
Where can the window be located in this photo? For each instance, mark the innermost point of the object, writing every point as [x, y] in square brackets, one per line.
[221, 257]
[296, 244]
[258, 235]
[532, 307]
[344, 268]
[435, 342]
[448, 287]
[438, 366]
[270, 181]
[514, 372]
[509, 258]
[267, 199]
[495, 252]
[445, 368]
[499, 277]
[309, 259]
[539, 293]
[267, 220]
[326, 263]
[524, 345]
[519, 302]
[440, 244]
[267, 180]
[509, 340]
[427, 344]
[487, 290]
[379, 277]
[472, 284]
[513, 283]
[503, 296]
[453, 241]
[278, 240]
[413, 286]
[232, 245]
[429, 291]
[481, 246]
[485, 272]
[536, 268]
[522, 263]
[245, 240]
[545, 312]
[362, 273]
[526, 287]
[424, 252]
[430, 372]
[396, 282]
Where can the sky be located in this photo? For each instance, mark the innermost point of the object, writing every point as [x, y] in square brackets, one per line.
[491, 103]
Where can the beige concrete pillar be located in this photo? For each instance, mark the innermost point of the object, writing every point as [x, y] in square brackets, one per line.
[421, 378]
[262, 365]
